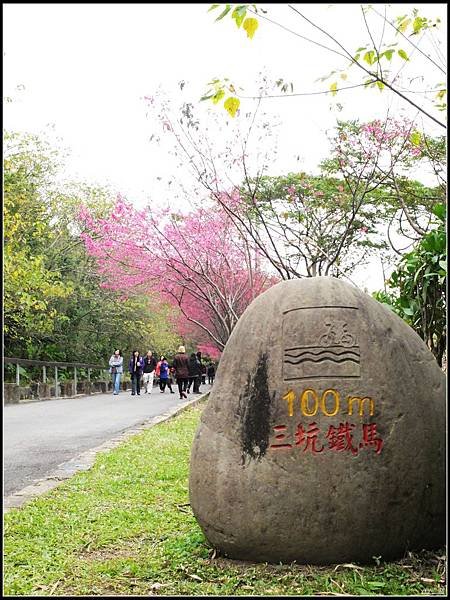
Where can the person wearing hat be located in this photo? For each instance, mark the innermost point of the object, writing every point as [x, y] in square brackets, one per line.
[181, 366]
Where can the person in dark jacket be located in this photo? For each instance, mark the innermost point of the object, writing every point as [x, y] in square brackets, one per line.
[149, 372]
[198, 379]
[181, 366]
[135, 367]
[211, 373]
[170, 379]
[203, 374]
[194, 374]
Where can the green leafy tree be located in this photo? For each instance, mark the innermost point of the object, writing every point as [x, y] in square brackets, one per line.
[31, 289]
[417, 288]
[309, 225]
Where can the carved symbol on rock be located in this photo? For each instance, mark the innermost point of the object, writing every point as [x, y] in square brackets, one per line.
[332, 338]
[333, 352]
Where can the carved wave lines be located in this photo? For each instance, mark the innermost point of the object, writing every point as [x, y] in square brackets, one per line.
[315, 354]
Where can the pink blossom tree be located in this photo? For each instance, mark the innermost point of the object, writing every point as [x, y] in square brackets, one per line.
[197, 261]
[383, 155]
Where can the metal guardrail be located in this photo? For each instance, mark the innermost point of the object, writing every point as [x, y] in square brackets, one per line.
[61, 365]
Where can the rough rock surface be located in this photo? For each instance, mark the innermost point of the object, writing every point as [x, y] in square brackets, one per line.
[323, 439]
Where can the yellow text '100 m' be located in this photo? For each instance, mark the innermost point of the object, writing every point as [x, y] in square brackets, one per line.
[329, 403]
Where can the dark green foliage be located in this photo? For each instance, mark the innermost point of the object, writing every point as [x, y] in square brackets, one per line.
[419, 288]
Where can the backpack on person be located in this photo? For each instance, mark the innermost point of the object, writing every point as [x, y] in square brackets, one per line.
[164, 370]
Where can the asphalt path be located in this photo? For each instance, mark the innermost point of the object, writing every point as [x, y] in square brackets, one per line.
[40, 436]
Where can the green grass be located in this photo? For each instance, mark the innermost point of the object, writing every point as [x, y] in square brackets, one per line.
[125, 527]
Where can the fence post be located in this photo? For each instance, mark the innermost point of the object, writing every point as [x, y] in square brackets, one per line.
[44, 374]
[17, 374]
[75, 380]
[89, 374]
[56, 382]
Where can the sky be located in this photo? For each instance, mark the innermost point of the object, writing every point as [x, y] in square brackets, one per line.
[81, 73]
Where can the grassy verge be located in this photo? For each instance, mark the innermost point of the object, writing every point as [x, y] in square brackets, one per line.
[125, 528]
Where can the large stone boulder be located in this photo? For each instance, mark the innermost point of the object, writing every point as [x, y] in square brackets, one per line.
[323, 439]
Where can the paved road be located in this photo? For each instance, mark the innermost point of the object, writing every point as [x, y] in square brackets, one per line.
[39, 436]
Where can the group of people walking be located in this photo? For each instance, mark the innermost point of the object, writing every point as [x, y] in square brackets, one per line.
[189, 372]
